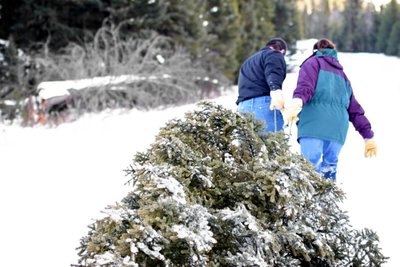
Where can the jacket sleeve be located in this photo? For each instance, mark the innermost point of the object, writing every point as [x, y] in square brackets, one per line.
[358, 119]
[307, 80]
[275, 70]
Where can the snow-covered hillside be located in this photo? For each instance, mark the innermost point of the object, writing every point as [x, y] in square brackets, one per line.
[55, 181]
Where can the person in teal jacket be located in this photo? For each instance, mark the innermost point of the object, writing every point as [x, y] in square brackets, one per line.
[323, 104]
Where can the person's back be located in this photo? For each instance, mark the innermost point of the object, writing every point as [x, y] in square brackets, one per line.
[325, 115]
[260, 84]
[323, 104]
[260, 73]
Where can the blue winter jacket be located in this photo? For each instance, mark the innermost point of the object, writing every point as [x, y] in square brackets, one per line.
[260, 73]
[328, 100]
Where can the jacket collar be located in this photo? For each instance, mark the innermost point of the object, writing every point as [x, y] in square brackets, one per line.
[327, 52]
[330, 56]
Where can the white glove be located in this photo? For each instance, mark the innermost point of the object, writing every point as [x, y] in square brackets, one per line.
[293, 110]
[277, 101]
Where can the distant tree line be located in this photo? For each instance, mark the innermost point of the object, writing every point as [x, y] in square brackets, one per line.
[355, 26]
[219, 32]
[222, 33]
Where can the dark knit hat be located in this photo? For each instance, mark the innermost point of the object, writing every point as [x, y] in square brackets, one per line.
[277, 43]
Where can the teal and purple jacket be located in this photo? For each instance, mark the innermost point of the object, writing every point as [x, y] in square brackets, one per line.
[328, 100]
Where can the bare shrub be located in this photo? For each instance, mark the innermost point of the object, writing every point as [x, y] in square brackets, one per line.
[158, 72]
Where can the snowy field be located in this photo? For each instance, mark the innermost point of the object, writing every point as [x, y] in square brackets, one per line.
[55, 181]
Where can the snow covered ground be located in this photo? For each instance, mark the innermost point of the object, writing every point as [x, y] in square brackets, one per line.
[55, 181]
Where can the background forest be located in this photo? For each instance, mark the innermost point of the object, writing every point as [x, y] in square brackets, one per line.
[185, 44]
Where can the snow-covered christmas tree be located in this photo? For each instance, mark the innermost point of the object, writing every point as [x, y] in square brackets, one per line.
[214, 190]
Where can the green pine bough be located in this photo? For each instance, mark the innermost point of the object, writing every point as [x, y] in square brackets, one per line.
[214, 190]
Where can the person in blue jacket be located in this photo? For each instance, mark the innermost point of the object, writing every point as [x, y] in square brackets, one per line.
[323, 104]
[260, 84]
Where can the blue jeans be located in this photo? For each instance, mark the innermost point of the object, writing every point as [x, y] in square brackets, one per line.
[322, 154]
[259, 106]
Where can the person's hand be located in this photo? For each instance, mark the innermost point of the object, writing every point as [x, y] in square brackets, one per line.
[277, 101]
[370, 148]
[293, 110]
